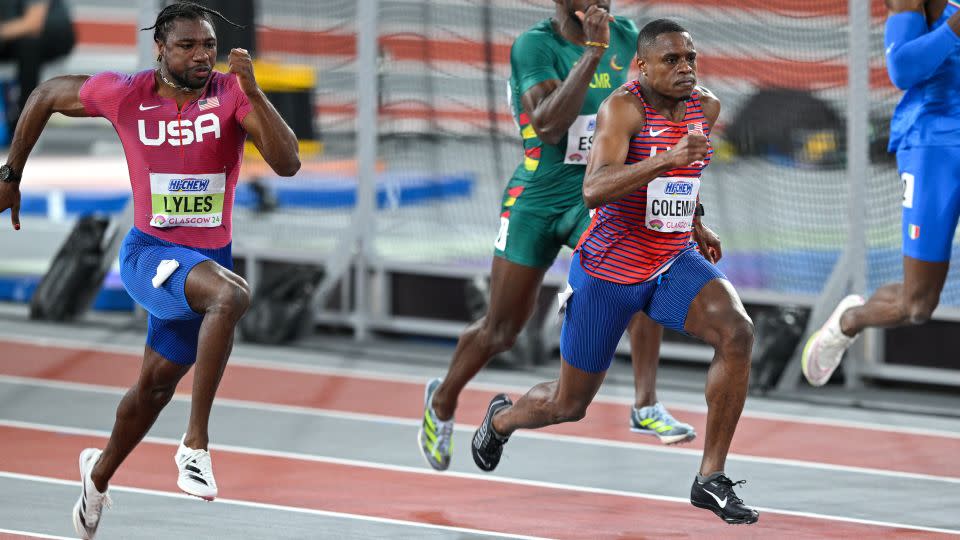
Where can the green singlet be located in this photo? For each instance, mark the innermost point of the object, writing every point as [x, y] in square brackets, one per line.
[542, 208]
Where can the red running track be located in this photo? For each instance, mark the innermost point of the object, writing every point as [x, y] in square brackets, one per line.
[886, 450]
[421, 497]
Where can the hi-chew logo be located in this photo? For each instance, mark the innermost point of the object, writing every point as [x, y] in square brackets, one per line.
[188, 185]
[678, 188]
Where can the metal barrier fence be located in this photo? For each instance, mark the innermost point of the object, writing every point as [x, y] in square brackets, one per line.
[410, 104]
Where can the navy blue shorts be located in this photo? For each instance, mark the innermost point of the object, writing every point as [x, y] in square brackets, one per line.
[172, 327]
[931, 200]
[598, 311]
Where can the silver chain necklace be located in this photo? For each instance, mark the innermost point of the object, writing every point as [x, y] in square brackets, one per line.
[180, 88]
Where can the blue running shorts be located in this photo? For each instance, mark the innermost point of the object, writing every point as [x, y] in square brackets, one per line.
[931, 200]
[598, 311]
[172, 327]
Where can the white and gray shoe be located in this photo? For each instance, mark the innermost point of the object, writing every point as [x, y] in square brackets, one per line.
[824, 350]
[196, 472]
[88, 510]
[656, 420]
[435, 437]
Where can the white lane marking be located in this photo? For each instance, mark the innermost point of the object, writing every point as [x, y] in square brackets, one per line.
[470, 428]
[266, 506]
[293, 367]
[173, 443]
[32, 534]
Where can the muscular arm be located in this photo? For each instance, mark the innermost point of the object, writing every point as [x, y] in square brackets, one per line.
[607, 178]
[272, 136]
[57, 95]
[913, 53]
[553, 105]
[60, 94]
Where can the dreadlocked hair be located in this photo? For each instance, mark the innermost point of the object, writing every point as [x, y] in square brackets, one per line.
[183, 10]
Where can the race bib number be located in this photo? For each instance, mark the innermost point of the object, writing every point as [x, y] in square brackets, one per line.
[671, 203]
[908, 181]
[580, 139]
[187, 200]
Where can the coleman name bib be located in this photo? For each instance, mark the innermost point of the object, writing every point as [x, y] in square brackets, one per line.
[671, 204]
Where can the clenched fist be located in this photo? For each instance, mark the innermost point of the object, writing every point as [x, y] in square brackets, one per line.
[241, 65]
[707, 241]
[596, 24]
[692, 148]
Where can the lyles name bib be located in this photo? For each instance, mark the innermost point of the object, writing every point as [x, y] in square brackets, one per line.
[187, 200]
[671, 204]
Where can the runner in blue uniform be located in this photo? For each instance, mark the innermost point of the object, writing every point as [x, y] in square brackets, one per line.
[923, 58]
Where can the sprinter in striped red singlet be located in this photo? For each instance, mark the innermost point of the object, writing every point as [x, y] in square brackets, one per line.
[641, 254]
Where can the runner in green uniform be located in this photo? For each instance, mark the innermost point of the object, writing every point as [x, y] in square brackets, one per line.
[562, 70]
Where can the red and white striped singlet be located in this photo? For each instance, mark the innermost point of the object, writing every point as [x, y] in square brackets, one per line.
[623, 243]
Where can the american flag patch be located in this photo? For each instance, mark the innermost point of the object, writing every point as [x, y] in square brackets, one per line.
[208, 103]
[695, 127]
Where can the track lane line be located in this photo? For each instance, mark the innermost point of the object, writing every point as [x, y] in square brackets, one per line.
[261, 506]
[468, 430]
[14, 534]
[390, 488]
[244, 360]
[848, 447]
[292, 367]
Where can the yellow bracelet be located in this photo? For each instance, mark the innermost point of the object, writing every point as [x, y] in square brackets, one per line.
[596, 44]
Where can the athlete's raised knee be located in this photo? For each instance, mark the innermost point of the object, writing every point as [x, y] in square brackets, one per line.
[156, 396]
[232, 299]
[499, 336]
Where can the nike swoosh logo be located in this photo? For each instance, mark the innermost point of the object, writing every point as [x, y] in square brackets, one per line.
[657, 133]
[723, 503]
[142, 108]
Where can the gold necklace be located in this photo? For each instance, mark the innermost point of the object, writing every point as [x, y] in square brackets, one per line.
[180, 88]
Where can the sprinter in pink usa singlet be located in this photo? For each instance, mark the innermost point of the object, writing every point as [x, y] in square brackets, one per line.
[183, 163]
[183, 128]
